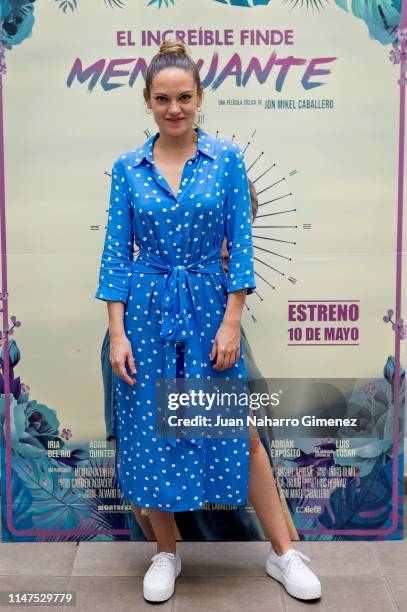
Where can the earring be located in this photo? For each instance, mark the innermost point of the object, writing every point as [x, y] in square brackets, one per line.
[147, 111]
[198, 109]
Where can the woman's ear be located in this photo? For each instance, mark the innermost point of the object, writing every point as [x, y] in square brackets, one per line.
[146, 97]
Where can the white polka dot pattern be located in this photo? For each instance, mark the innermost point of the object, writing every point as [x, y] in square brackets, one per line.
[175, 295]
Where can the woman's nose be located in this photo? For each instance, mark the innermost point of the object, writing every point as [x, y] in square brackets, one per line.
[174, 108]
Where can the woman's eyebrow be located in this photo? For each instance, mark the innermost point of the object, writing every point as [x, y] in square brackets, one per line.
[158, 93]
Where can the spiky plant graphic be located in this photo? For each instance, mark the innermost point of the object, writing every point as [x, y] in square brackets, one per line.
[307, 4]
[161, 3]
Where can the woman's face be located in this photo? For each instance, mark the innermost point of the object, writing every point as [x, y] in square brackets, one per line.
[174, 99]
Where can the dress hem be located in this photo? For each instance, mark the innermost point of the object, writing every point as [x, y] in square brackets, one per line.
[189, 508]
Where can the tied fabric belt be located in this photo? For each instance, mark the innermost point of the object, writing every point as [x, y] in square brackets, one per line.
[179, 323]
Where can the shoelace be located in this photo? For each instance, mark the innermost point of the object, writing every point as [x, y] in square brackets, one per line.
[160, 560]
[295, 559]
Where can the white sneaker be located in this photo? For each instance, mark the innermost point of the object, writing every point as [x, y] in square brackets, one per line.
[297, 579]
[159, 580]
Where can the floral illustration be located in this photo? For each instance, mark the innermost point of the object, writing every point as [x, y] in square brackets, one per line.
[45, 490]
[66, 433]
[365, 501]
[382, 18]
[398, 326]
[397, 55]
[17, 17]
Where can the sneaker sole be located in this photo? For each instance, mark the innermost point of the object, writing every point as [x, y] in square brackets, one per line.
[302, 592]
[163, 594]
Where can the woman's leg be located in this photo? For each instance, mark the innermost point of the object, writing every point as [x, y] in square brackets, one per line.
[263, 496]
[164, 527]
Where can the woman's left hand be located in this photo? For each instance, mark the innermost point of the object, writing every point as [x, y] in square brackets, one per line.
[226, 345]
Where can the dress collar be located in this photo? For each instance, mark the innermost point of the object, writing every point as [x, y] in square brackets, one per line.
[205, 145]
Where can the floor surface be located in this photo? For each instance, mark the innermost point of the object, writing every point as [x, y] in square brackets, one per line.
[216, 576]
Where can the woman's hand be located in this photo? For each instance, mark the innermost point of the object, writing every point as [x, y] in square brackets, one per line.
[120, 352]
[226, 345]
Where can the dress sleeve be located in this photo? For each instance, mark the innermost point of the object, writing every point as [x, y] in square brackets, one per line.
[238, 229]
[117, 254]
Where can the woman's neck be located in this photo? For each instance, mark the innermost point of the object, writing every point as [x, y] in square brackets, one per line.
[176, 143]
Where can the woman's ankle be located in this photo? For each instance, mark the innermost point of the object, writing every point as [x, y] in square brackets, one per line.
[170, 549]
[280, 549]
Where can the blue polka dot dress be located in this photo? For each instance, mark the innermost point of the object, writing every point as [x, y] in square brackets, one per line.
[175, 292]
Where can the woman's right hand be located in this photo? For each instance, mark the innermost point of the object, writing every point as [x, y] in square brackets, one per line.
[120, 352]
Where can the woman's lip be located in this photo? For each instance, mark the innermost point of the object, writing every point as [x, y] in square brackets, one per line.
[176, 120]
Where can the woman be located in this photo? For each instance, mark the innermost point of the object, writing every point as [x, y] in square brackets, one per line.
[173, 312]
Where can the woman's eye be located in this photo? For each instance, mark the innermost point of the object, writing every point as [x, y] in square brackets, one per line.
[184, 98]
